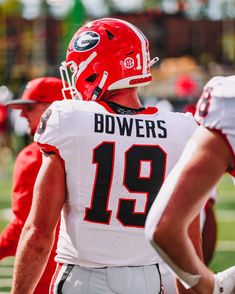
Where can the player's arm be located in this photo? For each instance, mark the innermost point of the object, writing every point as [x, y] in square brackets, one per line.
[180, 199]
[195, 236]
[38, 234]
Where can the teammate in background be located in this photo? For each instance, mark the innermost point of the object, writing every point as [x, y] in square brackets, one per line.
[207, 156]
[207, 215]
[104, 160]
[4, 139]
[37, 96]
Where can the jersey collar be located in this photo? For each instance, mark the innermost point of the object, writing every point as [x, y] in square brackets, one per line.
[147, 111]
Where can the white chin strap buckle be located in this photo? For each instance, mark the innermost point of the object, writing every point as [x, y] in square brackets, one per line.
[153, 61]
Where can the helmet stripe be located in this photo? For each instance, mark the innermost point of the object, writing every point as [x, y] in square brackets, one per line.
[143, 41]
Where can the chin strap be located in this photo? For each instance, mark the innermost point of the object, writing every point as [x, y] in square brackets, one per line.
[99, 88]
[153, 61]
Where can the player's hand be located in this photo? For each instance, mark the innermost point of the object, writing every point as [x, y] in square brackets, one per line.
[225, 281]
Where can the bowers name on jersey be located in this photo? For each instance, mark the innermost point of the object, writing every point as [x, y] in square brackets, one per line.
[129, 126]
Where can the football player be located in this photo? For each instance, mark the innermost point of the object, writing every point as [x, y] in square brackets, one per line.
[105, 158]
[207, 156]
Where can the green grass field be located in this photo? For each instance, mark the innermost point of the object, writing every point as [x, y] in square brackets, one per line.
[225, 211]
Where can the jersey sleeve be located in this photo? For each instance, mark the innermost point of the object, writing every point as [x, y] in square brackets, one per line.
[47, 134]
[57, 126]
[209, 106]
[216, 109]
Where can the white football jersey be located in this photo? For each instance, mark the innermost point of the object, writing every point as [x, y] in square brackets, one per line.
[216, 108]
[115, 165]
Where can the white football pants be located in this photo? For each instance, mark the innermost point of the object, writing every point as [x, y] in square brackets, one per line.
[168, 279]
[73, 279]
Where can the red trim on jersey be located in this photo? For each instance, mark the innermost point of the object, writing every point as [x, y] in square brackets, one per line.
[106, 106]
[48, 148]
[51, 149]
[54, 278]
[231, 170]
[149, 110]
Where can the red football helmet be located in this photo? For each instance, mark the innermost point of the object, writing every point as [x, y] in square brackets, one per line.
[106, 54]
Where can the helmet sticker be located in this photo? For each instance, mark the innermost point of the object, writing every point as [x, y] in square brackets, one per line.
[129, 62]
[86, 41]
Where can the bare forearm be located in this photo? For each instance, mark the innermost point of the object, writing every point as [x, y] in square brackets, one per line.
[188, 262]
[31, 258]
[194, 243]
[176, 242]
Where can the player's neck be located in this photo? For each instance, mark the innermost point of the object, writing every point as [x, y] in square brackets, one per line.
[124, 97]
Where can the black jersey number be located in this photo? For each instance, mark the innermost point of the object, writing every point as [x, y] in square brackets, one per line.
[103, 157]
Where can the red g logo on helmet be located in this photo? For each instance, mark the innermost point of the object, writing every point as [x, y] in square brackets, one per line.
[86, 41]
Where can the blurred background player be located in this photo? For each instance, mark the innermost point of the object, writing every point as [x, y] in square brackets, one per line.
[104, 160]
[37, 96]
[207, 156]
[4, 138]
